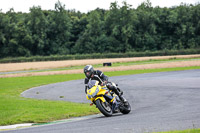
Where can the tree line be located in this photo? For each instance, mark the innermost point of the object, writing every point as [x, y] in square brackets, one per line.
[120, 29]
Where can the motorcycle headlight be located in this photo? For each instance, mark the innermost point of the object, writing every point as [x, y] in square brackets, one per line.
[89, 96]
[96, 91]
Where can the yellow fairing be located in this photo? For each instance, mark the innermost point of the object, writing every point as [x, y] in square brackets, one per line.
[102, 99]
[101, 91]
[94, 93]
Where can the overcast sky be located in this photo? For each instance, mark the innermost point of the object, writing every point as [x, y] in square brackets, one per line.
[82, 5]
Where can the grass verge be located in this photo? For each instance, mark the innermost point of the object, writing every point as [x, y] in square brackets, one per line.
[184, 131]
[116, 64]
[15, 109]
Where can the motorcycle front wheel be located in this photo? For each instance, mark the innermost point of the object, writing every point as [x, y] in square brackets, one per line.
[104, 108]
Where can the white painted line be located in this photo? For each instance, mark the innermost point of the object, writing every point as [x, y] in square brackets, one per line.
[15, 126]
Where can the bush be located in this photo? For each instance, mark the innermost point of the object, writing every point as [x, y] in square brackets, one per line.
[99, 56]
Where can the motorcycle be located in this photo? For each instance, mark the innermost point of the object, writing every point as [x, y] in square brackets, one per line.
[106, 100]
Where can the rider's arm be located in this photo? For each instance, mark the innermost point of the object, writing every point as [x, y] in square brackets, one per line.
[86, 84]
[102, 76]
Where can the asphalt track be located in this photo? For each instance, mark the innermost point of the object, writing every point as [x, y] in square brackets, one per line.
[160, 102]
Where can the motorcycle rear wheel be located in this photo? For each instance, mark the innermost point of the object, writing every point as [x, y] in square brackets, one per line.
[125, 109]
[104, 108]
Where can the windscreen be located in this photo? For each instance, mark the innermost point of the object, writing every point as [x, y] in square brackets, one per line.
[91, 83]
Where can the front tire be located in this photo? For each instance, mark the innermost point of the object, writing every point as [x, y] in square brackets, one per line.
[104, 108]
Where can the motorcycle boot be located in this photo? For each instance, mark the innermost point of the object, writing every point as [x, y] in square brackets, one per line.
[121, 97]
[118, 92]
[123, 100]
[114, 89]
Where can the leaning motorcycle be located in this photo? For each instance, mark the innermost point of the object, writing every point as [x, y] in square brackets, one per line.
[106, 100]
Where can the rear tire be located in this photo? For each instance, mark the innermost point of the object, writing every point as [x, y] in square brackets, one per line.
[125, 109]
[104, 108]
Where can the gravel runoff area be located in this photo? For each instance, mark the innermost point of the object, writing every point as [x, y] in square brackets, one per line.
[5, 67]
[58, 64]
[120, 68]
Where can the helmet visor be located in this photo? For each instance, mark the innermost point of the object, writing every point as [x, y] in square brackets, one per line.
[88, 74]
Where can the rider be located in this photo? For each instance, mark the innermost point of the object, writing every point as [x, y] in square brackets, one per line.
[90, 73]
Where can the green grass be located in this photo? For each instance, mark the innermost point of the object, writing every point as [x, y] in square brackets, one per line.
[153, 61]
[15, 109]
[116, 64]
[129, 72]
[184, 131]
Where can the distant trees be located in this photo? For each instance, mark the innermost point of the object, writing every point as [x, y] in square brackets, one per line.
[119, 29]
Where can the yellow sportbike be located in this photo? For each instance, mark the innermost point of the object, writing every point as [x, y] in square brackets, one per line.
[106, 100]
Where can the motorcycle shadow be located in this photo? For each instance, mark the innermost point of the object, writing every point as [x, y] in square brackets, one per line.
[114, 115]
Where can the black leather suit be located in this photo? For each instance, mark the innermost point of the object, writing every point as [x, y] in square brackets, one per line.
[98, 75]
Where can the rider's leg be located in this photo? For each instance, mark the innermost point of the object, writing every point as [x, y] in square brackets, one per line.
[117, 91]
[114, 89]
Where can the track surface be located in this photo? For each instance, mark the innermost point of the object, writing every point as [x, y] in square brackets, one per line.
[160, 102]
